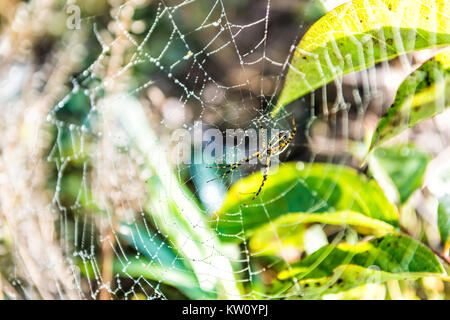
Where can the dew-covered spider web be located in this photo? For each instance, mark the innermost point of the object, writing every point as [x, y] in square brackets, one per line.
[135, 218]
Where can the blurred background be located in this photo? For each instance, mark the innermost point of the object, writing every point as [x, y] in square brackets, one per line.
[95, 202]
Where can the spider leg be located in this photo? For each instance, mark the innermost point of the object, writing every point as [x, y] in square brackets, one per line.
[263, 133]
[236, 164]
[262, 153]
[272, 149]
[233, 166]
[260, 126]
[266, 173]
[282, 145]
[294, 130]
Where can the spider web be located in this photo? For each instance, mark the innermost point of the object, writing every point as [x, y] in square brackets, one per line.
[133, 220]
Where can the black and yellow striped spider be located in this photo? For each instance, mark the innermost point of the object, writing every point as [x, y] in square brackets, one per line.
[276, 145]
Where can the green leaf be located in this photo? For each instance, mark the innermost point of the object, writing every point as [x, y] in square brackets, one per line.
[161, 263]
[135, 268]
[299, 187]
[285, 233]
[390, 253]
[346, 277]
[404, 165]
[170, 205]
[181, 279]
[335, 268]
[150, 245]
[424, 94]
[282, 235]
[359, 34]
[444, 218]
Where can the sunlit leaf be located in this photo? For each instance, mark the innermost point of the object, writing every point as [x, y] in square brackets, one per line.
[349, 276]
[390, 253]
[404, 165]
[369, 291]
[424, 94]
[340, 267]
[358, 34]
[286, 232]
[278, 237]
[299, 187]
[444, 219]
